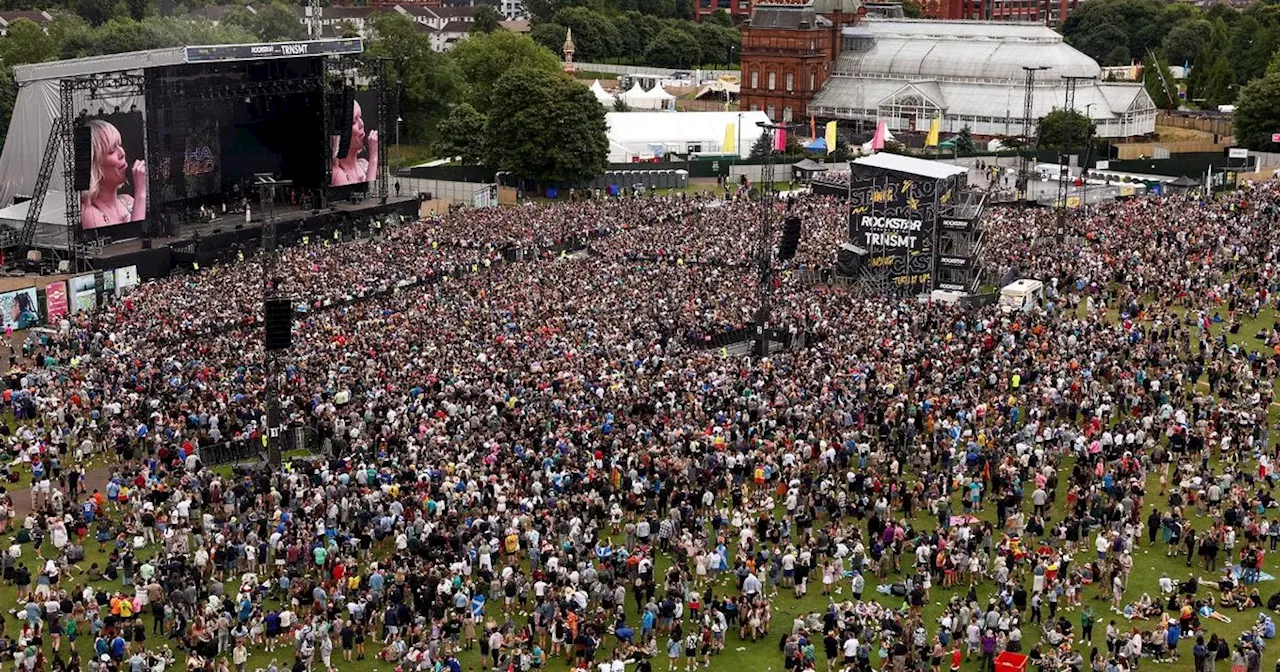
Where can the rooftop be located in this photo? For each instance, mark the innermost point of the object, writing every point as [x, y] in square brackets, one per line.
[910, 164]
[985, 50]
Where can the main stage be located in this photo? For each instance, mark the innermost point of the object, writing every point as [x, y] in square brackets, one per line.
[228, 235]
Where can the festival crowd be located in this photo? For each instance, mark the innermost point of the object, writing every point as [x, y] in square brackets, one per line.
[542, 463]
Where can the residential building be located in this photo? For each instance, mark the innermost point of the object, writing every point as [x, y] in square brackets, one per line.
[788, 49]
[513, 10]
[444, 25]
[39, 18]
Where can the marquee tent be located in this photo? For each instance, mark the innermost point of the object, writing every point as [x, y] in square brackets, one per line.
[645, 135]
[654, 99]
[603, 96]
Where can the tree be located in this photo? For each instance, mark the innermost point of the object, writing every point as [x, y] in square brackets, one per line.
[27, 43]
[673, 49]
[912, 10]
[1185, 41]
[8, 96]
[1098, 27]
[485, 19]
[484, 58]
[1100, 41]
[348, 29]
[620, 105]
[1118, 56]
[462, 134]
[1215, 83]
[277, 22]
[549, 35]
[96, 12]
[1257, 113]
[964, 141]
[719, 18]
[760, 148]
[594, 35]
[718, 44]
[1061, 127]
[547, 127]
[138, 9]
[429, 83]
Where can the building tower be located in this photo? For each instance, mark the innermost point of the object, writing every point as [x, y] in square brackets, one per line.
[568, 52]
[788, 49]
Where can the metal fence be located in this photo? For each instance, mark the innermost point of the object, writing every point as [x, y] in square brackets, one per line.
[293, 438]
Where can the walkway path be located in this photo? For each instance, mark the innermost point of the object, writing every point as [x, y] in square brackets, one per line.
[95, 478]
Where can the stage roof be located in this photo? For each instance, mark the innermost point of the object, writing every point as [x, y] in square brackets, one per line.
[909, 164]
[155, 58]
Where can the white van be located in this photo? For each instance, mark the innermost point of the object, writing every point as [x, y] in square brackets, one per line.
[1021, 295]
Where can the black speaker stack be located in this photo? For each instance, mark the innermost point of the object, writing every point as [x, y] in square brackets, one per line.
[82, 141]
[344, 118]
[279, 324]
[790, 238]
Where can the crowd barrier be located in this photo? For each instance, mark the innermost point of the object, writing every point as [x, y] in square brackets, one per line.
[294, 437]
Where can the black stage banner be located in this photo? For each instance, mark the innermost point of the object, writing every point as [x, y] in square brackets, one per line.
[234, 52]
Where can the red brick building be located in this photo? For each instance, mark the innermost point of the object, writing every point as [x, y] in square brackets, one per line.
[738, 9]
[1051, 13]
[788, 49]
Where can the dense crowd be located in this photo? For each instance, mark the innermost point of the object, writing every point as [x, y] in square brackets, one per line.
[538, 462]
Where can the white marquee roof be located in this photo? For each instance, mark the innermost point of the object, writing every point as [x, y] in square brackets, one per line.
[909, 164]
[964, 49]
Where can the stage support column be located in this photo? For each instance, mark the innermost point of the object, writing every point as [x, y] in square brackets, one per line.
[271, 291]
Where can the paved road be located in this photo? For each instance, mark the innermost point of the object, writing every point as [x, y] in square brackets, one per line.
[95, 478]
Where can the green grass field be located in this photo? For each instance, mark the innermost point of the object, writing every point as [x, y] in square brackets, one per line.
[1150, 564]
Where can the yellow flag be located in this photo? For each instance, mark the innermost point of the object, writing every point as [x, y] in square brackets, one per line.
[730, 134]
[934, 128]
[831, 136]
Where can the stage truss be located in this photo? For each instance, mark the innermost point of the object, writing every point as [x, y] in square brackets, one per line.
[61, 143]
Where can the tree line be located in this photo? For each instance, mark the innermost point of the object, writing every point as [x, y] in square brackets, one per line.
[1232, 54]
[1225, 47]
[640, 38]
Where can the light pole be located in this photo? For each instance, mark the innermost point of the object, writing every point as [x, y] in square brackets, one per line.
[398, 120]
[1088, 152]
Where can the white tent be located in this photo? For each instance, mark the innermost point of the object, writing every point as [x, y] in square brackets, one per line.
[648, 134]
[603, 96]
[888, 137]
[658, 98]
[639, 99]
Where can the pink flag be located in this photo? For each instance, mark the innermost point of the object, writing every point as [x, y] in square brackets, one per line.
[877, 140]
[780, 140]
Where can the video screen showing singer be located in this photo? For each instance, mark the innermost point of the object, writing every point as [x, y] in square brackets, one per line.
[104, 204]
[352, 168]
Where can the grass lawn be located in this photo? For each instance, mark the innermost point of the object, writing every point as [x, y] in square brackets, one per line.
[763, 656]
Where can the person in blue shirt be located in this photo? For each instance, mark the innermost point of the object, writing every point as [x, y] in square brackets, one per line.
[1172, 638]
[117, 648]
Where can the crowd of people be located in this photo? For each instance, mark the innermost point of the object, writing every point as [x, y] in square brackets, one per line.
[540, 463]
